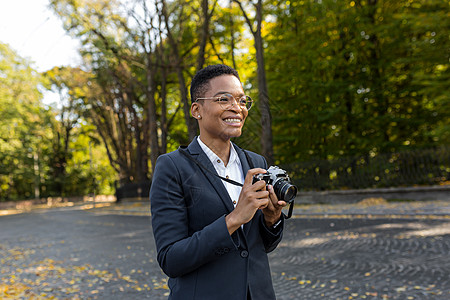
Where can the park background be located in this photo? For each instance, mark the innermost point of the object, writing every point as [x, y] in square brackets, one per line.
[348, 94]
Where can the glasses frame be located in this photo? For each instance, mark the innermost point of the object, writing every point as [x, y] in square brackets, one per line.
[248, 99]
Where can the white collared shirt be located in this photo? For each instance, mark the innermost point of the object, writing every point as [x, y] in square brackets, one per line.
[232, 171]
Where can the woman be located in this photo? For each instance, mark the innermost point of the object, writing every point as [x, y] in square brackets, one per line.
[212, 235]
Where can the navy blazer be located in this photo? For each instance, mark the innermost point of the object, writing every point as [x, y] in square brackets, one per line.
[195, 250]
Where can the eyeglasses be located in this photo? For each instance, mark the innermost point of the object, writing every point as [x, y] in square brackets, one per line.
[227, 101]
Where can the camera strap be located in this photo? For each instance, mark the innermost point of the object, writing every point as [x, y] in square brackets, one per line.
[182, 151]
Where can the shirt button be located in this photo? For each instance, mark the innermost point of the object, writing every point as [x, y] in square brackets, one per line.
[244, 253]
[234, 202]
[227, 177]
[218, 161]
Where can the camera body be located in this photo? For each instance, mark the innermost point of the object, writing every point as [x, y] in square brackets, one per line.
[281, 183]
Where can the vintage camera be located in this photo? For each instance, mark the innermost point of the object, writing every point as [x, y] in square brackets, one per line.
[281, 183]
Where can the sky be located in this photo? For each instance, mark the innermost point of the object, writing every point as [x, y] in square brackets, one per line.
[34, 32]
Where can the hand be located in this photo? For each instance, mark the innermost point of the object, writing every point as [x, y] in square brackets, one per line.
[252, 197]
[272, 212]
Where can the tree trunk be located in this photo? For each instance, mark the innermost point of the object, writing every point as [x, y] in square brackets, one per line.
[152, 119]
[204, 33]
[164, 128]
[264, 106]
[163, 94]
[233, 42]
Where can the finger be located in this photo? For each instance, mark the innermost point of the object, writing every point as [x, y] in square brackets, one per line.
[270, 206]
[272, 194]
[262, 194]
[252, 172]
[282, 203]
[264, 203]
[274, 198]
[263, 206]
[260, 186]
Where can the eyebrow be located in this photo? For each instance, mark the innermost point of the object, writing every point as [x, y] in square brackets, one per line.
[225, 92]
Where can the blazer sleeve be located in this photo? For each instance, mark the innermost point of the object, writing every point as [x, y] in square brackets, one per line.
[271, 237]
[180, 252]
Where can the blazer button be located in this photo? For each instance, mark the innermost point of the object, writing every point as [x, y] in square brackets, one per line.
[244, 253]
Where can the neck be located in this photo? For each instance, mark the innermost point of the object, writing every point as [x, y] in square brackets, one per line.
[221, 148]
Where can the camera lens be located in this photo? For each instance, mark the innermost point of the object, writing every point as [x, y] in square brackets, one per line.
[290, 193]
[284, 190]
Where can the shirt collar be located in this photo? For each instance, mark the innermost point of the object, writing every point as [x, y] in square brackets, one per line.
[234, 158]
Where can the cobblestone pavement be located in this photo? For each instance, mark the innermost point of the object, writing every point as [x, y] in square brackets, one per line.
[389, 251]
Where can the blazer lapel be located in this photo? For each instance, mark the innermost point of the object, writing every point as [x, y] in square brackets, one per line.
[197, 153]
[245, 167]
[243, 159]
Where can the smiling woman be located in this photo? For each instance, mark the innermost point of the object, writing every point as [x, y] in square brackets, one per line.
[205, 205]
[218, 122]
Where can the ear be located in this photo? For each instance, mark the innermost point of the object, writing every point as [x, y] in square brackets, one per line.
[195, 110]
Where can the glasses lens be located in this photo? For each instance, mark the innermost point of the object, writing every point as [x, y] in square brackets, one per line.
[248, 102]
[245, 102]
[226, 101]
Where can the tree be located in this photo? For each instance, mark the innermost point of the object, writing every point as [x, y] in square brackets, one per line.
[67, 83]
[179, 67]
[120, 81]
[135, 65]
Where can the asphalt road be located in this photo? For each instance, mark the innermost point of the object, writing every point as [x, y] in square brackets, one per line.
[70, 253]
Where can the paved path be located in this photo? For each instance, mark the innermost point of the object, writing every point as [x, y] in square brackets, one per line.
[368, 252]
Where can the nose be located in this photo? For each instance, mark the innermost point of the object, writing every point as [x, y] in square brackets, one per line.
[234, 106]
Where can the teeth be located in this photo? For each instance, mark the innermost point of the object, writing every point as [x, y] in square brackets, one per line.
[232, 120]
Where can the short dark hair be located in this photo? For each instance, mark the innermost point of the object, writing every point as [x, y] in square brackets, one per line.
[201, 80]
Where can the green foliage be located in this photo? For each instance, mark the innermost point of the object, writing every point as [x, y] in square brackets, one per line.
[23, 122]
[79, 164]
[89, 170]
[43, 151]
[353, 77]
